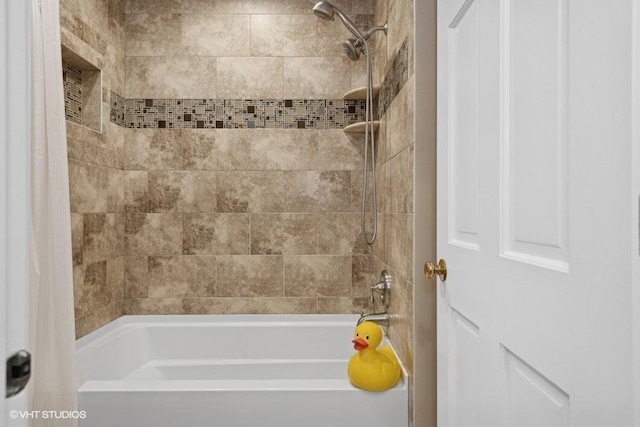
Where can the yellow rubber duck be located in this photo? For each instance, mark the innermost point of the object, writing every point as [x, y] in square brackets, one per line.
[372, 369]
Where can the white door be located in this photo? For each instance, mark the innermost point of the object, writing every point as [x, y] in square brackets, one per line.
[534, 213]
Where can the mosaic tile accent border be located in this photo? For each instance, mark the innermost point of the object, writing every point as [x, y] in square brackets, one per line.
[117, 109]
[236, 113]
[72, 83]
[395, 79]
[258, 113]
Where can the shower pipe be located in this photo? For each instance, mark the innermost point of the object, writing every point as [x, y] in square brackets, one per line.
[353, 48]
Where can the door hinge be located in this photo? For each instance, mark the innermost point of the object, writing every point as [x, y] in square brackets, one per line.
[18, 372]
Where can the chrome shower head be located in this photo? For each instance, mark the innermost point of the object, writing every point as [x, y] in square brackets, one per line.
[352, 48]
[324, 10]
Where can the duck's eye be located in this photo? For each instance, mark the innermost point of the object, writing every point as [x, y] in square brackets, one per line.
[357, 335]
[366, 337]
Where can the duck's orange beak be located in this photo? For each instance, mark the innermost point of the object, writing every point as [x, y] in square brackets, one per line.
[360, 344]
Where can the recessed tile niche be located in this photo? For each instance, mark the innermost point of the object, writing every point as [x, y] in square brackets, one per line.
[82, 90]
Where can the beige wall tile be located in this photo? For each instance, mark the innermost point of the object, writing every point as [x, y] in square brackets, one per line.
[340, 151]
[153, 306]
[283, 149]
[137, 76]
[75, 149]
[401, 182]
[153, 234]
[250, 78]
[103, 237]
[287, 233]
[343, 305]
[400, 25]
[298, 6]
[212, 234]
[250, 276]
[331, 35]
[181, 77]
[115, 191]
[154, 34]
[249, 6]
[254, 191]
[198, 6]
[399, 242]
[400, 120]
[363, 275]
[153, 149]
[324, 77]
[283, 305]
[317, 275]
[136, 191]
[115, 279]
[88, 186]
[219, 149]
[341, 234]
[136, 277]
[98, 318]
[182, 191]
[164, 6]
[210, 305]
[283, 35]
[215, 35]
[77, 238]
[328, 191]
[178, 276]
[90, 288]
[359, 73]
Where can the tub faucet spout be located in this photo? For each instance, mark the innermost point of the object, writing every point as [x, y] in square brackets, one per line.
[381, 319]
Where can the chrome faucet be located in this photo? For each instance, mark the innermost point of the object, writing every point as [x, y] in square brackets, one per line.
[381, 319]
[383, 287]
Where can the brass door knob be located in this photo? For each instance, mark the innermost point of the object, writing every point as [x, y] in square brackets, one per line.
[440, 270]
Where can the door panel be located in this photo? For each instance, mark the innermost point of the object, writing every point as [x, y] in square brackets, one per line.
[463, 92]
[534, 122]
[532, 399]
[534, 217]
[464, 375]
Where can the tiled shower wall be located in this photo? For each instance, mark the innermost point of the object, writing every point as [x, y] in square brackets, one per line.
[395, 173]
[242, 220]
[94, 30]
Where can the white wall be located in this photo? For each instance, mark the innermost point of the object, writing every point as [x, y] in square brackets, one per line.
[14, 187]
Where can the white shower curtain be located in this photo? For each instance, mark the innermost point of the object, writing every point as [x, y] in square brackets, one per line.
[53, 386]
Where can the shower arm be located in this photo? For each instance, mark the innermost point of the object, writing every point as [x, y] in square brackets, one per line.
[372, 30]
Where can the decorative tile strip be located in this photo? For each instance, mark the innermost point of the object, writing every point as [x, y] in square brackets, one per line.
[72, 83]
[258, 113]
[235, 113]
[395, 79]
[117, 109]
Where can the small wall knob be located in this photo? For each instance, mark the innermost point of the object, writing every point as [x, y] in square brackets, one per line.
[440, 269]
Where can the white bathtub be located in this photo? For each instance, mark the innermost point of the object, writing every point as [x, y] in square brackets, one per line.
[228, 371]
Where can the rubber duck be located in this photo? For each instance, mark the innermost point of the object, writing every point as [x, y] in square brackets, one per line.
[371, 368]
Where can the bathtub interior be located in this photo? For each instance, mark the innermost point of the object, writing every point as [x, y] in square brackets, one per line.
[240, 371]
[217, 348]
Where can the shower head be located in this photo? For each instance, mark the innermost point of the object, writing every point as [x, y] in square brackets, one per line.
[325, 10]
[352, 48]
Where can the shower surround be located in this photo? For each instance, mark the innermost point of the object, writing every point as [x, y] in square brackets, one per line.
[221, 181]
[241, 190]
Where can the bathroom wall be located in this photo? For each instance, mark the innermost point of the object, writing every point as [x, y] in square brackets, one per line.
[242, 193]
[395, 156]
[94, 30]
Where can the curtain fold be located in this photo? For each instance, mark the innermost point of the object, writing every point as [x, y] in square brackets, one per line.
[53, 386]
